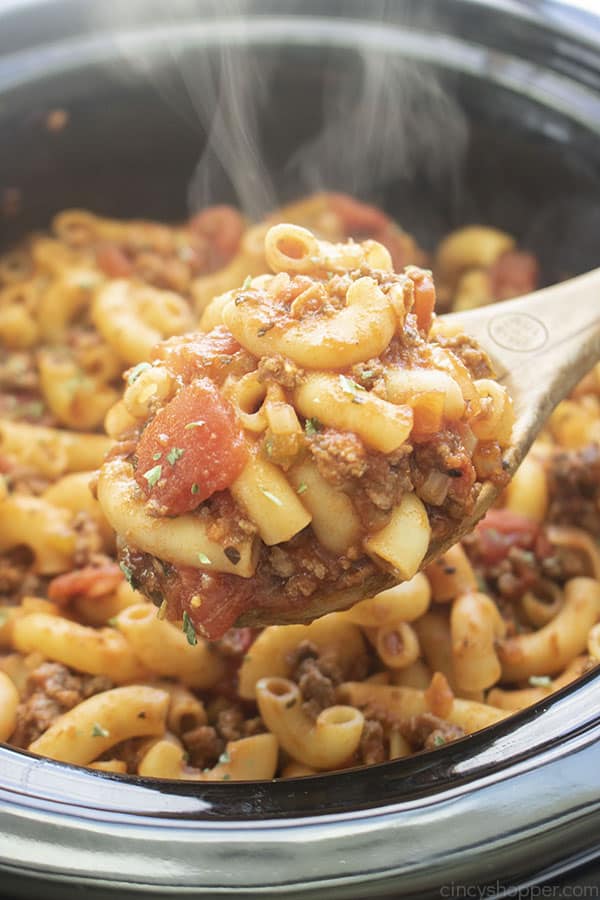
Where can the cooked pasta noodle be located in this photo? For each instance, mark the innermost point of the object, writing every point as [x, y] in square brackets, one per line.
[306, 444]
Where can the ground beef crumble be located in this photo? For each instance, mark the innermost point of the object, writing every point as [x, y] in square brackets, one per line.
[470, 354]
[340, 456]
[426, 731]
[50, 691]
[371, 748]
[227, 722]
[279, 370]
[316, 676]
[574, 488]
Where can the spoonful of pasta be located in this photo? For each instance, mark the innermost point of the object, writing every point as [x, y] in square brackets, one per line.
[328, 436]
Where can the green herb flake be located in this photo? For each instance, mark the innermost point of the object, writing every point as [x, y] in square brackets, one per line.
[247, 282]
[312, 426]
[153, 475]
[157, 456]
[113, 621]
[174, 454]
[34, 410]
[226, 777]
[204, 559]
[188, 630]
[197, 424]
[224, 757]
[271, 497]
[302, 487]
[135, 373]
[439, 740]
[540, 680]
[194, 488]
[126, 572]
[352, 389]
[99, 731]
[481, 583]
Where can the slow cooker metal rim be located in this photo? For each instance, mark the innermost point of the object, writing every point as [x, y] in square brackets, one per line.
[546, 84]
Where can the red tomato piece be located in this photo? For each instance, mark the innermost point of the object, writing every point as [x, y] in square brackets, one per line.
[192, 448]
[502, 529]
[113, 261]
[90, 581]
[514, 273]
[191, 355]
[222, 227]
[424, 300]
[358, 217]
[223, 600]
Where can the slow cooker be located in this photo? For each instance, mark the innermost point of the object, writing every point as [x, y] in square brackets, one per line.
[445, 113]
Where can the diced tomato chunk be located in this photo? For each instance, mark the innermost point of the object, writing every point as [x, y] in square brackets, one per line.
[223, 600]
[222, 227]
[192, 448]
[190, 355]
[357, 217]
[90, 581]
[113, 261]
[502, 529]
[424, 300]
[514, 273]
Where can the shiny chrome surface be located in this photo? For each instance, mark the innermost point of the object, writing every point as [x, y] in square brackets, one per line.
[520, 799]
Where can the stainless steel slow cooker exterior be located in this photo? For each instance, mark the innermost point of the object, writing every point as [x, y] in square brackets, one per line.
[517, 803]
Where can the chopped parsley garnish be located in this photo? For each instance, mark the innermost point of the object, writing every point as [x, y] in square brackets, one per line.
[271, 497]
[204, 559]
[34, 409]
[540, 680]
[312, 426]
[439, 740]
[99, 731]
[247, 282]
[174, 454]
[352, 388]
[302, 487]
[195, 488]
[226, 777]
[232, 554]
[156, 456]
[188, 630]
[197, 424]
[135, 373]
[224, 757]
[126, 572]
[481, 583]
[113, 621]
[153, 475]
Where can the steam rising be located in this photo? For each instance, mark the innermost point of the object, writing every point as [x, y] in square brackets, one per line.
[383, 118]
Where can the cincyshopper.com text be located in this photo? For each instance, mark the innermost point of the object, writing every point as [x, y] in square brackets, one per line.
[456, 891]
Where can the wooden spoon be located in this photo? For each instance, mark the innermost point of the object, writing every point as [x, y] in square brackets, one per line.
[541, 345]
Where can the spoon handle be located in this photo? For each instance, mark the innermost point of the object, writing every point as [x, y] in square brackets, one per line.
[541, 346]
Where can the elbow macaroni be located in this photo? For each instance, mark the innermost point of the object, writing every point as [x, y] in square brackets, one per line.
[435, 645]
